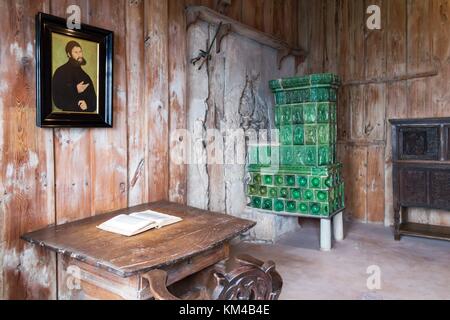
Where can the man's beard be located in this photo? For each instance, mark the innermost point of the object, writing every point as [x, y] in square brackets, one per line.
[80, 61]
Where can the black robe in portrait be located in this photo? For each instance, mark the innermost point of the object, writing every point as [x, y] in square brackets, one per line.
[64, 88]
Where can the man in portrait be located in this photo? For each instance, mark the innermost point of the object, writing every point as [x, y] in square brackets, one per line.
[72, 88]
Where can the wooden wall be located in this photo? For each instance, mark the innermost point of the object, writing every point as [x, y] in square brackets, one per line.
[386, 75]
[50, 176]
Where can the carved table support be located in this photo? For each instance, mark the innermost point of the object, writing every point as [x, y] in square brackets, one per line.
[242, 278]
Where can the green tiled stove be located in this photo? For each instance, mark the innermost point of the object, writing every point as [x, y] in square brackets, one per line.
[301, 176]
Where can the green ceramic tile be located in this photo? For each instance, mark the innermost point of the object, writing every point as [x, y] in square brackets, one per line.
[279, 205]
[297, 114]
[323, 113]
[309, 113]
[325, 155]
[287, 155]
[314, 182]
[256, 202]
[290, 181]
[325, 210]
[311, 135]
[291, 206]
[268, 180]
[299, 135]
[308, 195]
[253, 154]
[264, 155]
[267, 204]
[284, 193]
[279, 180]
[263, 191]
[322, 196]
[302, 181]
[310, 158]
[286, 136]
[299, 155]
[277, 117]
[273, 192]
[286, 115]
[252, 190]
[296, 194]
[324, 133]
[314, 209]
[303, 208]
[256, 178]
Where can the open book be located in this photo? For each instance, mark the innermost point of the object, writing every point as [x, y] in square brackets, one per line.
[137, 222]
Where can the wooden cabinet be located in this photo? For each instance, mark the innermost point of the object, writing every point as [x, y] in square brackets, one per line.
[421, 172]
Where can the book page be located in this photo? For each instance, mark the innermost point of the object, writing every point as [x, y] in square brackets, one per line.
[125, 224]
[160, 219]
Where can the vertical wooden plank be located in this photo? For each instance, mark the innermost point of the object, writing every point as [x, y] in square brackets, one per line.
[357, 112]
[136, 124]
[343, 114]
[355, 59]
[72, 154]
[396, 37]
[396, 108]
[374, 113]
[278, 19]
[344, 40]
[331, 28]
[72, 167]
[375, 183]
[355, 173]
[177, 98]
[396, 100]
[419, 56]
[253, 13]
[441, 56]
[235, 9]
[156, 97]
[375, 60]
[419, 99]
[109, 146]
[317, 37]
[26, 160]
[291, 22]
[419, 36]
[268, 16]
[304, 25]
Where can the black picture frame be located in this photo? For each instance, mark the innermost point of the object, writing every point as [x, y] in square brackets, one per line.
[46, 25]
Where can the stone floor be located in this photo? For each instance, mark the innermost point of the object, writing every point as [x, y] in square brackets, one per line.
[413, 268]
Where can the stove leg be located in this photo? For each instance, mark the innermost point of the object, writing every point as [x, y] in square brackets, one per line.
[338, 226]
[325, 234]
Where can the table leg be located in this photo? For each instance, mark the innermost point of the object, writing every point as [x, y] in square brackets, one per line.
[338, 226]
[325, 234]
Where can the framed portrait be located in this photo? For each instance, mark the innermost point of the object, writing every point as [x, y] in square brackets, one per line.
[74, 74]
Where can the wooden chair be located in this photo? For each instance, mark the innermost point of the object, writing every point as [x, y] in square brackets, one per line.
[240, 278]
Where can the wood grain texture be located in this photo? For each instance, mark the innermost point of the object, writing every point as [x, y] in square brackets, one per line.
[26, 171]
[375, 183]
[109, 147]
[136, 113]
[199, 232]
[156, 97]
[177, 100]
[387, 73]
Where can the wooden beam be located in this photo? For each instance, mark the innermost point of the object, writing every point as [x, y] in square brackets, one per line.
[210, 16]
[404, 77]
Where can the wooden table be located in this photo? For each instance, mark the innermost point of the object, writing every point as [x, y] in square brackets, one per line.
[112, 266]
